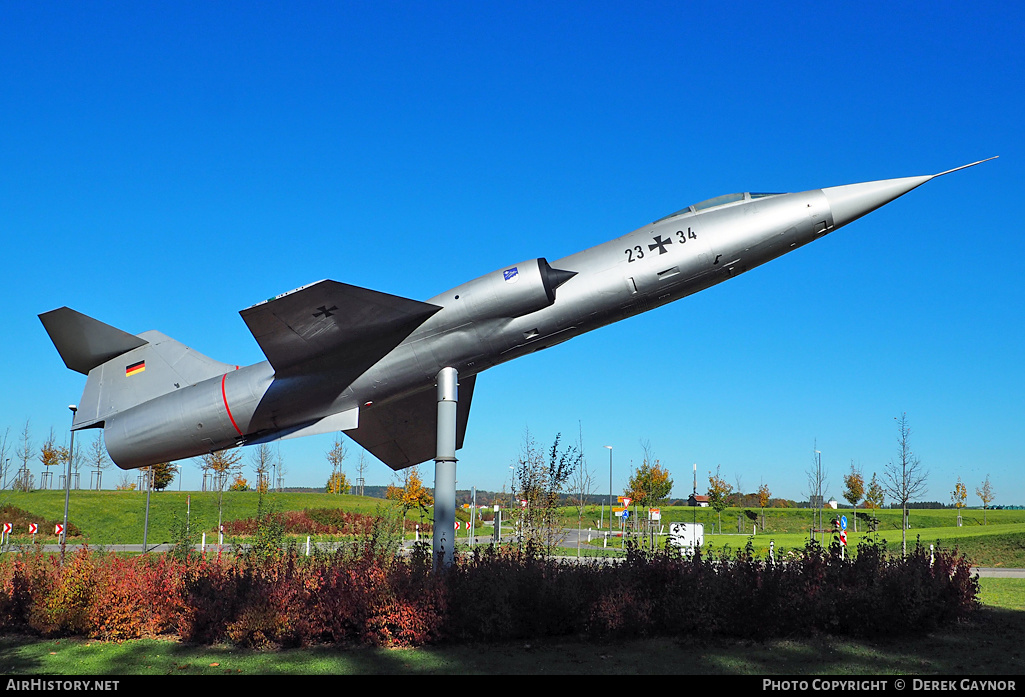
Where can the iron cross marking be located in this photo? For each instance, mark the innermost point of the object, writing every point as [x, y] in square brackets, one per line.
[660, 243]
[325, 311]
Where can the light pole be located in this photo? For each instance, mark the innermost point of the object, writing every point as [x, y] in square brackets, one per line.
[610, 487]
[695, 495]
[67, 481]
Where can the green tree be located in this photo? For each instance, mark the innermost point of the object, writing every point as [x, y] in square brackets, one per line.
[162, 475]
[853, 490]
[763, 500]
[719, 491]
[650, 483]
[541, 476]
[875, 497]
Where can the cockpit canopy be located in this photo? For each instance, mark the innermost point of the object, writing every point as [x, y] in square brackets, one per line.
[723, 200]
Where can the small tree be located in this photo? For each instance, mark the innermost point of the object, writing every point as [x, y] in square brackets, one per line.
[221, 464]
[5, 453]
[96, 457]
[25, 452]
[650, 483]
[854, 489]
[239, 483]
[719, 491]
[338, 482]
[763, 500]
[161, 475]
[985, 492]
[817, 477]
[904, 478]
[959, 495]
[262, 458]
[541, 476]
[49, 456]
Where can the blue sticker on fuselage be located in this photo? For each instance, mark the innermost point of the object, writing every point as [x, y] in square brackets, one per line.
[511, 275]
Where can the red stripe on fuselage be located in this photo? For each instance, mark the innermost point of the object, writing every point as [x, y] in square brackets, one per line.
[224, 396]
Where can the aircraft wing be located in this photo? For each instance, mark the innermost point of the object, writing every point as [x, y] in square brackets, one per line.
[404, 433]
[327, 324]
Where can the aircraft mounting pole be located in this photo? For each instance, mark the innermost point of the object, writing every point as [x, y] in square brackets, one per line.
[445, 469]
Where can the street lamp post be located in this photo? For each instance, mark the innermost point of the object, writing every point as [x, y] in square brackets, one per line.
[695, 496]
[67, 481]
[610, 487]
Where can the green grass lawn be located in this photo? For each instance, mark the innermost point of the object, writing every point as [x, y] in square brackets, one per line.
[117, 517]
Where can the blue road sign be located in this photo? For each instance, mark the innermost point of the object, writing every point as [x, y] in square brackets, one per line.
[843, 522]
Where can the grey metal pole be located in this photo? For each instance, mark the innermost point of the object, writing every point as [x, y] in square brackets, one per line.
[445, 469]
[145, 525]
[67, 481]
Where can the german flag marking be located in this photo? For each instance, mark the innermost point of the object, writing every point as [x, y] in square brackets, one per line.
[135, 368]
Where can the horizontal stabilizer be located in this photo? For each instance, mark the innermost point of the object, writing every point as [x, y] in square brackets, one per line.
[329, 424]
[325, 324]
[404, 433]
[84, 342]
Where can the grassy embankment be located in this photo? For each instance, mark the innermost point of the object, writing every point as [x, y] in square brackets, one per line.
[116, 517]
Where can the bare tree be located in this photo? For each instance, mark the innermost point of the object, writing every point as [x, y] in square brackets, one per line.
[817, 477]
[262, 459]
[5, 457]
[361, 466]
[582, 486]
[97, 457]
[25, 452]
[904, 479]
[221, 464]
[985, 492]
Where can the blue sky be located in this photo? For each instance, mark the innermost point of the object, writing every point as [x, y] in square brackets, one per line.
[163, 166]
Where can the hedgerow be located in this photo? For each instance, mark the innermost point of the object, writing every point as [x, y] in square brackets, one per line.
[368, 594]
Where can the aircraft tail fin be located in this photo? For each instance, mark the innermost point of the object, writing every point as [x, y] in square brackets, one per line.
[124, 370]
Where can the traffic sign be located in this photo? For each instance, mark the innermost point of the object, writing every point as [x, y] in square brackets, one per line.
[8, 527]
[457, 525]
[843, 522]
[843, 537]
[33, 528]
[59, 530]
[655, 514]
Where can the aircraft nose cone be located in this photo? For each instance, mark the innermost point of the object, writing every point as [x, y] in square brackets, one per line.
[852, 201]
